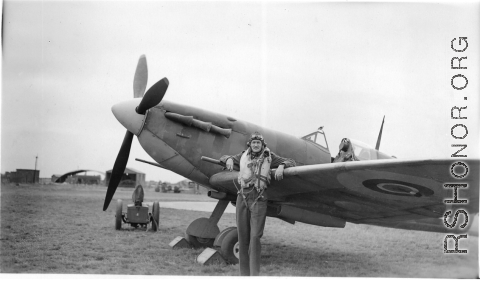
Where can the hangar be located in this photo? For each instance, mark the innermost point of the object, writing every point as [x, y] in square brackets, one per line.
[130, 178]
[73, 177]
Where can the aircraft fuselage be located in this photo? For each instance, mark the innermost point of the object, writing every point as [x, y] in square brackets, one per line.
[177, 144]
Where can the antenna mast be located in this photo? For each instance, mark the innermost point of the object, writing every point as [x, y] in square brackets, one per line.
[35, 171]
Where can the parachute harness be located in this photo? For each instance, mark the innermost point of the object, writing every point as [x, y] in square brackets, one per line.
[256, 168]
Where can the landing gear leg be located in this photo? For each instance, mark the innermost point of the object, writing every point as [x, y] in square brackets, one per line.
[201, 232]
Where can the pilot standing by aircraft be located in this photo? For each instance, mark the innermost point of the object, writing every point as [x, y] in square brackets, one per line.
[253, 179]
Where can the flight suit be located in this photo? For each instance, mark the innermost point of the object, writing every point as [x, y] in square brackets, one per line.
[250, 226]
[251, 214]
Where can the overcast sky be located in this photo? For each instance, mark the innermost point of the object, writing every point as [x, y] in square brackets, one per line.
[291, 67]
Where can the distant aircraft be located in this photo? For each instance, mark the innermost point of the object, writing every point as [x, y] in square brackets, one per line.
[360, 185]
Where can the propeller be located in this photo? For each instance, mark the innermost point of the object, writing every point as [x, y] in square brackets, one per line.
[141, 77]
[118, 168]
[152, 97]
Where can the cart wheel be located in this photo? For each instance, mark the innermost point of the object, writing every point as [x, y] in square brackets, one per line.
[118, 215]
[230, 248]
[156, 216]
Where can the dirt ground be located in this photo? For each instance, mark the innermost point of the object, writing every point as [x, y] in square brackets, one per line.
[62, 229]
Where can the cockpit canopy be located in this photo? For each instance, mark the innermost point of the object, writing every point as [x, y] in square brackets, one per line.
[353, 150]
[317, 138]
[364, 152]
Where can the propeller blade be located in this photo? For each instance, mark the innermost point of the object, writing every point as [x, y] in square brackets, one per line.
[141, 77]
[380, 135]
[153, 96]
[118, 168]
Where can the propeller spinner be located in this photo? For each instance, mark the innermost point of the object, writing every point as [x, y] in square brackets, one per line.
[152, 97]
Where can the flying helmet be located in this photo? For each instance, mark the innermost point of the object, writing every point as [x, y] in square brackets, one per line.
[256, 136]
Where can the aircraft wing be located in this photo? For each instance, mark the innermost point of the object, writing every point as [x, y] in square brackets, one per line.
[405, 194]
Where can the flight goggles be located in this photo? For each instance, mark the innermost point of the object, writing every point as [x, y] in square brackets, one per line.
[257, 136]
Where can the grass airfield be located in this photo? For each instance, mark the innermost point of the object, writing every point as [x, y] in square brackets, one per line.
[62, 229]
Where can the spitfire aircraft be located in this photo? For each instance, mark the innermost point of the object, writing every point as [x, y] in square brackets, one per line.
[361, 185]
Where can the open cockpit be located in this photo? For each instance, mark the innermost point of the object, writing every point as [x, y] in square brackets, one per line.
[353, 150]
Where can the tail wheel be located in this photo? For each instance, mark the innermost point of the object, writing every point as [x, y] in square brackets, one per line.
[118, 215]
[156, 216]
[230, 248]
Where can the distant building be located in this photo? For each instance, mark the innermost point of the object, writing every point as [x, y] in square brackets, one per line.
[83, 179]
[55, 177]
[45, 180]
[151, 184]
[23, 176]
[130, 178]
[194, 186]
[5, 179]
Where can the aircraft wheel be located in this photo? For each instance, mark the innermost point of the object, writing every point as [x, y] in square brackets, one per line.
[118, 215]
[230, 248]
[198, 242]
[219, 238]
[156, 216]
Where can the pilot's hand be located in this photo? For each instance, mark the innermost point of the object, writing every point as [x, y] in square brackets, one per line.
[279, 173]
[229, 164]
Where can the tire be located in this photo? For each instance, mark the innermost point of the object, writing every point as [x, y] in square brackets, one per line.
[198, 242]
[219, 238]
[156, 216]
[230, 247]
[118, 215]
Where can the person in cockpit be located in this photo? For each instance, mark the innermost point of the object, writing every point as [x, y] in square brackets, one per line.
[346, 152]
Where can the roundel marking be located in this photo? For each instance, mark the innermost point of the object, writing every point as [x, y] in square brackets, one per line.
[395, 187]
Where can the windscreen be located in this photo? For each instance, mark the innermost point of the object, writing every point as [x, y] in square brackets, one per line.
[363, 152]
[317, 138]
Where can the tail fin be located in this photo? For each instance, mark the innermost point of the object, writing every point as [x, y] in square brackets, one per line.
[380, 135]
